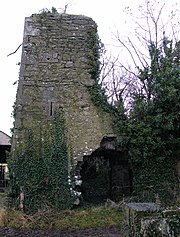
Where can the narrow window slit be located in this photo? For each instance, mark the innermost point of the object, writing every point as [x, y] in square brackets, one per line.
[51, 109]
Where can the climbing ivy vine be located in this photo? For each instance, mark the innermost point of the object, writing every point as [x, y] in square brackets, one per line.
[97, 93]
[40, 170]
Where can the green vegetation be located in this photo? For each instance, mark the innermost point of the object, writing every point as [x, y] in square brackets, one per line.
[91, 217]
[46, 11]
[150, 132]
[99, 97]
[152, 129]
[97, 93]
[39, 170]
[153, 124]
[149, 129]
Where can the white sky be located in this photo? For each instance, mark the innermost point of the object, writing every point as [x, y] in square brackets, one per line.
[109, 16]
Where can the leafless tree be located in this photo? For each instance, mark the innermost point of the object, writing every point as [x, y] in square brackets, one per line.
[152, 23]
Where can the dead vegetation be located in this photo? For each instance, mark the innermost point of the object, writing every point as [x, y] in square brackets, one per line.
[92, 217]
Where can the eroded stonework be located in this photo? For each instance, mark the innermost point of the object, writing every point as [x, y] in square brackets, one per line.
[55, 73]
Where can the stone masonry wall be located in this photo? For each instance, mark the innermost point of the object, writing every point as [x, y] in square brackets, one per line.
[55, 73]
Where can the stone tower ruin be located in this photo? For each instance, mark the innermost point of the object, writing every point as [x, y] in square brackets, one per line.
[59, 56]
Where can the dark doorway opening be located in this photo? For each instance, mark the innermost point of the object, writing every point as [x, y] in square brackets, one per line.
[3, 166]
[105, 174]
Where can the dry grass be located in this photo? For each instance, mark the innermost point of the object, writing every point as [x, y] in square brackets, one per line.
[12, 218]
[80, 218]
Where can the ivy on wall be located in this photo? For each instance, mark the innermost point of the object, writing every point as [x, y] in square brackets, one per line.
[39, 171]
[97, 93]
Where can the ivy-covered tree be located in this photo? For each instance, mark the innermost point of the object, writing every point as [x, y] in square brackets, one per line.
[147, 113]
[154, 124]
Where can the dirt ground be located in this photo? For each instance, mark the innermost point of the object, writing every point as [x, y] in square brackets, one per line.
[94, 232]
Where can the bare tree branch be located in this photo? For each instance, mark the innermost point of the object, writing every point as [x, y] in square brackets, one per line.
[15, 50]
[136, 51]
[109, 69]
[129, 51]
[128, 70]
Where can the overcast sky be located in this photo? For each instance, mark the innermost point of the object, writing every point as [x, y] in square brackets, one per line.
[109, 16]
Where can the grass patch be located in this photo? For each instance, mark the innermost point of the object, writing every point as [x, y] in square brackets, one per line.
[3, 198]
[80, 218]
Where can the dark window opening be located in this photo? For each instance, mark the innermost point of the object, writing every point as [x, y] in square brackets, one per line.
[51, 109]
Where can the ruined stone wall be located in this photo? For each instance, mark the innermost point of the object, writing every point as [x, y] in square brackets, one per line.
[55, 73]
